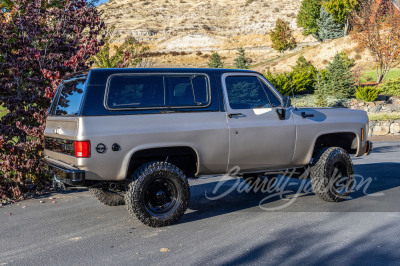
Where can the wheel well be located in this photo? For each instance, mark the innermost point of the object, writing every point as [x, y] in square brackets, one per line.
[347, 141]
[183, 157]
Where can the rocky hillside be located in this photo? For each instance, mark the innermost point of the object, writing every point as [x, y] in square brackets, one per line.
[195, 28]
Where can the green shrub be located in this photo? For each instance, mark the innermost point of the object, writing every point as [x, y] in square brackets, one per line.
[391, 87]
[367, 94]
[282, 82]
[300, 80]
[304, 75]
[309, 100]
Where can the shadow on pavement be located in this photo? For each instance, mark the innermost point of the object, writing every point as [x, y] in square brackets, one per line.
[372, 178]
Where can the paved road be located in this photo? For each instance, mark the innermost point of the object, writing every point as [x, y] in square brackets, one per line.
[231, 230]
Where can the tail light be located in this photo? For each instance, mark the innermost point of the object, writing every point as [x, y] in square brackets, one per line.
[82, 149]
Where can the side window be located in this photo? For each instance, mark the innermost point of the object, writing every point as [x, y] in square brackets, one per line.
[147, 91]
[70, 98]
[136, 91]
[187, 91]
[246, 92]
[179, 91]
[274, 100]
[200, 86]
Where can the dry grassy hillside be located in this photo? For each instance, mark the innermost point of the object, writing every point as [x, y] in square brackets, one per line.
[184, 33]
[196, 28]
[320, 55]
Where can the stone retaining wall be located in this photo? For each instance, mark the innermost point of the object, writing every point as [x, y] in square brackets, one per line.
[389, 105]
[384, 105]
[383, 128]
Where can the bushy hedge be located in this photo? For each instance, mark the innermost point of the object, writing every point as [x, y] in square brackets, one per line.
[391, 87]
[367, 94]
[300, 81]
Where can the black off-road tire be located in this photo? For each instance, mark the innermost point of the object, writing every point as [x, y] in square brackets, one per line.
[142, 194]
[327, 163]
[259, 182]
[107, 197]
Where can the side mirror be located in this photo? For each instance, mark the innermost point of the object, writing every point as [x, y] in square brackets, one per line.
[287, 102]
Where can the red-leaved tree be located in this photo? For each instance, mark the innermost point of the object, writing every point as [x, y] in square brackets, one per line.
[376, 26]
[41, 41]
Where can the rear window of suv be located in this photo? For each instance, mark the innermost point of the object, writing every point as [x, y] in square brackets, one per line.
[149, 91]
[69, 98]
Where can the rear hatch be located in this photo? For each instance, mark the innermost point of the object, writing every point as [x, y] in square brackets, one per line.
[62, 123]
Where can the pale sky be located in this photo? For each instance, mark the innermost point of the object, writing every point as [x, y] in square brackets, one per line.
[101, 2]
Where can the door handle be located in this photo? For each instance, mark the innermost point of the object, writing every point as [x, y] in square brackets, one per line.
[304, 115]
[234, 114]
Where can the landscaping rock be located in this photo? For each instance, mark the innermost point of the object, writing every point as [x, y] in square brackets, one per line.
[381, 129]
[376, 109]
[395, 128]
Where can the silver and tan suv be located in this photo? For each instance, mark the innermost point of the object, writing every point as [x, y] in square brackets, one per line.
[134, 136]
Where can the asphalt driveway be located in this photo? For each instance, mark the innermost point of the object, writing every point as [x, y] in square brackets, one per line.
[288, 228]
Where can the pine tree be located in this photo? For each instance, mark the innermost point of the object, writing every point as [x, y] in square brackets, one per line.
[215, 61]
[341, 10]
[304, 75]
[282, 36]
[240, 61]
[307, 17]
[320, 99]
[339, 79]
[327, 27]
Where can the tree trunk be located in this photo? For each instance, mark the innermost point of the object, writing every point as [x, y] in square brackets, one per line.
[346, 27]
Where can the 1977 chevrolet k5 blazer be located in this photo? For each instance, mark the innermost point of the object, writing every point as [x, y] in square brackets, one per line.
[134, 136]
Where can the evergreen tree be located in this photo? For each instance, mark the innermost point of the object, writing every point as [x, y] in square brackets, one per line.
[304, 75]
[341, 11]
[240, 61]
[282, 36]
[327, 27]
[339, 80]
[307, 17]
[347, 61]
[320, 99]
[215, 61]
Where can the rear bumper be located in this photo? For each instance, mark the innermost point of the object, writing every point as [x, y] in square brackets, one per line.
[368, 147]
[66, 174]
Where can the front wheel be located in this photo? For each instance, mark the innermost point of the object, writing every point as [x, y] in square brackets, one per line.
[158, 194]
[332, 174]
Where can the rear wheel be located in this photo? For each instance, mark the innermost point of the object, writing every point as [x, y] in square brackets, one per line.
[107, 196]
[332, 175]
[158, 194]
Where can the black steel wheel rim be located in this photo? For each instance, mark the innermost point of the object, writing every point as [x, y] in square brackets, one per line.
[160, 196]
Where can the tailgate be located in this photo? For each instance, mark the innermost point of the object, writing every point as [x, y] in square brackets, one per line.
[60, 134]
